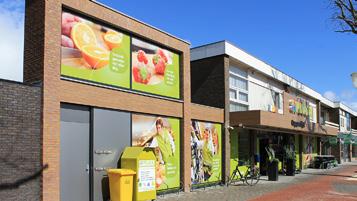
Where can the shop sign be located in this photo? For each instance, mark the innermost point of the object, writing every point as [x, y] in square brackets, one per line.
[103, 55]
[206, 152]
[300, 107]
[300, 124]
[162, 134]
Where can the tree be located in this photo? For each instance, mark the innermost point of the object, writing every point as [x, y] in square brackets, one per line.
[346, 15]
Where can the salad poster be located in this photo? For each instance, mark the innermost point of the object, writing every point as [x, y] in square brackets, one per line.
[96, 53]
[162, 134]
[93, 52]
[155, 70]
[206, 152]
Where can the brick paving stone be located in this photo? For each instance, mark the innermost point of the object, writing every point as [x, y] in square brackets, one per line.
[311, 184]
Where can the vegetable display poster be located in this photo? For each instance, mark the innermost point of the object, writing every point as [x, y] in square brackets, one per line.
[163, 134]
[206, 152]
[93, 52]
[154, 70]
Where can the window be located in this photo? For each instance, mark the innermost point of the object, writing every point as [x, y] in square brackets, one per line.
[238, 89]
[236, 107]
[278, 102]
[238, 71]
[232, 94]
[312, 112]
[342, 122]
[324, 116]
[237, 82]
[243, 97]
[348, 121]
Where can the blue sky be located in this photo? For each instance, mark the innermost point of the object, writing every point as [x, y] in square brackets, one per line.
[296, 37]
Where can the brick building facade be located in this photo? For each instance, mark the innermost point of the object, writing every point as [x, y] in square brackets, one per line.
[20, 140]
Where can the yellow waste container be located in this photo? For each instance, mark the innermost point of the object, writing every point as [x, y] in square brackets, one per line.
[121, 184]
[142, 160]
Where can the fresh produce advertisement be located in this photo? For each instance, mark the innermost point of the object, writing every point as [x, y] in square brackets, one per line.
[163, 134]
[206, 152]
[155, 70]
[94, 52]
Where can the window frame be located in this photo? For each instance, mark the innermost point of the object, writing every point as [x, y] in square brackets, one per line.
[238, 90]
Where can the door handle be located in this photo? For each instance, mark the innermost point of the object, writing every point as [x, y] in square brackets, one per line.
[103, 152]
[99, 169]
[87, 168]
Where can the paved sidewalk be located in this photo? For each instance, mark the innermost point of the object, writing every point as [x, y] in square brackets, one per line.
[311, 184]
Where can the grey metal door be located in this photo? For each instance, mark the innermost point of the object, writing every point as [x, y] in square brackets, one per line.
[74, 145]
[111, 134]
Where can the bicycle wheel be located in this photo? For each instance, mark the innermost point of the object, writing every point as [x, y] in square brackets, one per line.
[252, 177]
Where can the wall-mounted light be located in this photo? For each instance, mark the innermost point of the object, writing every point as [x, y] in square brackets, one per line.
[354, 79]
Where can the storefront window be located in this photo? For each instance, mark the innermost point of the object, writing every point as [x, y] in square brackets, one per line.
[244, 145]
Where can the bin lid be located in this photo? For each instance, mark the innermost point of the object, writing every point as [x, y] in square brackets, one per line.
[121, 171]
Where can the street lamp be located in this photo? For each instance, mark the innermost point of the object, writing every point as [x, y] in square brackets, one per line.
[354, 79]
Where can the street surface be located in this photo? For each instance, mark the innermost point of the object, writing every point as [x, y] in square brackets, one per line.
[310, 185]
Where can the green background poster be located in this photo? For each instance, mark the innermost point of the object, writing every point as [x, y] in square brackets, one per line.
[206, 152]
[93, 52]
[163, 134]
[155, 70]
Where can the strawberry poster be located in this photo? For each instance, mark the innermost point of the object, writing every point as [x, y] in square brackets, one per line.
[92, 52]
[162, 134]
[155, 70]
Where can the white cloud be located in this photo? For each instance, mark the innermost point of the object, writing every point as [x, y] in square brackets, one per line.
[347, 97]
[11, 39]
[331, 96]
[348, 94]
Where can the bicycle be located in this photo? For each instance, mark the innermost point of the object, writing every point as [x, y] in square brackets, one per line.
[250, 177]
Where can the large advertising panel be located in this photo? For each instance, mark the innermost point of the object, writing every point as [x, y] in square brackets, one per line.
[163, 134]
[155, 70]
[206, 152]
[90, 51]
[96, 53]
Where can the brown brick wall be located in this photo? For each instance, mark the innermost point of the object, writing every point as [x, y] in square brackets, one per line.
[207, 80]
[34, 41]
[20, 139]
[46, 67]
[206, 113]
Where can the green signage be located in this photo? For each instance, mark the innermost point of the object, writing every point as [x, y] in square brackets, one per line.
[206, 152]
[163, 134]
[93, 52]
[155, 70]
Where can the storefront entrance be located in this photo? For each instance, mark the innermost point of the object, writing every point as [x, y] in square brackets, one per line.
[91, 141]
[278, 142]
[75, 143]
[346, 153]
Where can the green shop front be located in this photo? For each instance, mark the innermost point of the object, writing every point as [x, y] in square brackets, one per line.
[291, 137]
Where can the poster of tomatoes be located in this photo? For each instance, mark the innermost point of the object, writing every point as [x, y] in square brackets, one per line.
[155, 70]
[93, 52]
[162, 134]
